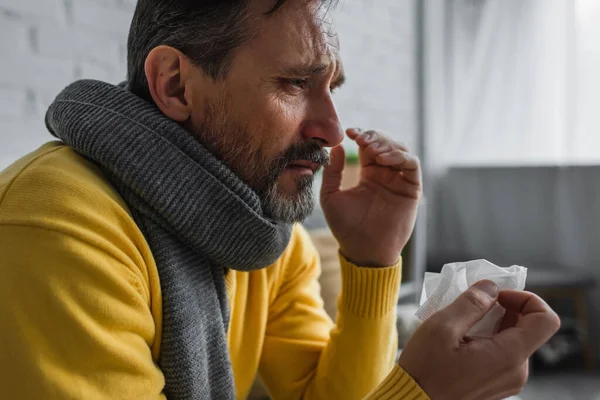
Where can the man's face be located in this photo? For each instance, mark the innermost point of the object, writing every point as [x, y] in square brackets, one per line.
[273, 115]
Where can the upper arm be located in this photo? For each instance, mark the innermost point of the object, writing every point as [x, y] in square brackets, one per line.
[76, 319]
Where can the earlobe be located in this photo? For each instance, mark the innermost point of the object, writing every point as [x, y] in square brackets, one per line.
[166, 82]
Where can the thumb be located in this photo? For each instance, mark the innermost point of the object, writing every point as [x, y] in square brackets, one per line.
[469, 307]
[332, 174]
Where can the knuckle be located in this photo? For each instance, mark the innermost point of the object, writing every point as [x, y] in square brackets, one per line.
[554, 322]
[401, 147]
[370, 135]
[379, 146]
[521, 377]
[384, 147]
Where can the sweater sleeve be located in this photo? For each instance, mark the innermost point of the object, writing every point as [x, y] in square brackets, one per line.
[306, 356]
[75, 320]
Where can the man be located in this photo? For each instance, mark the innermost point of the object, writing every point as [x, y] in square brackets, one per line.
[151, 254]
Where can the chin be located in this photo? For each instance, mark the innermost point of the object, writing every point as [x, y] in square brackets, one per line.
[291, 204]
[296, 188]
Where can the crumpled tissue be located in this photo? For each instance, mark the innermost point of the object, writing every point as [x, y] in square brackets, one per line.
[439, 290]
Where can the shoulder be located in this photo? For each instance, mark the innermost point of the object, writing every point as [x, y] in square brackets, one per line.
[56, 190]
[74, 270]
[55, 180]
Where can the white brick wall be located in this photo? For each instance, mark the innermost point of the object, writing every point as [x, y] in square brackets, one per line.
[35, 10]
[46, 44]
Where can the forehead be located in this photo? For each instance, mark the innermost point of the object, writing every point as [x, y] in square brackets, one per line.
[301, 31]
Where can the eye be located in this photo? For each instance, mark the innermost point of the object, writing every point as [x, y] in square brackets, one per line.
[297, 83]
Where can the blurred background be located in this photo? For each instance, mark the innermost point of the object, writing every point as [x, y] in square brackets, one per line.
[499, 98]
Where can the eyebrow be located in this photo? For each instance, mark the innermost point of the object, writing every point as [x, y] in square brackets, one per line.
[307, 70]
[339, 80]
[316, 70]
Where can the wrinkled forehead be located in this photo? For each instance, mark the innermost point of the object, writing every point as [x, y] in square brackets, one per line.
[301, 30]
[322, 28]
[319, 19]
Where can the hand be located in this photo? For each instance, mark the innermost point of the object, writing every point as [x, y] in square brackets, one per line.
[451, 367]
[373, 221]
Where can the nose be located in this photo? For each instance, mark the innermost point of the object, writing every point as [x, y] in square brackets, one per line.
[323, 124]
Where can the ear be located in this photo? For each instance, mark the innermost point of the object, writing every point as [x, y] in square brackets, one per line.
[168, 72]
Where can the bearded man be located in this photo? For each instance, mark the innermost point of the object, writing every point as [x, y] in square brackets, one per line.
[153, 252]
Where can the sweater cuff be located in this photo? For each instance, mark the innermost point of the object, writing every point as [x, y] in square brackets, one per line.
[369, 292]
[398, 385]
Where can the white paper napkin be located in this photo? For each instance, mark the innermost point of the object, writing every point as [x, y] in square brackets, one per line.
[440, 290]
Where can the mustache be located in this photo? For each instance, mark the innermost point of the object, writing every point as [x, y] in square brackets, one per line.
[310, 151]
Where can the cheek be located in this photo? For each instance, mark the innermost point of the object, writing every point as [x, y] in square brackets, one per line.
[277, 125]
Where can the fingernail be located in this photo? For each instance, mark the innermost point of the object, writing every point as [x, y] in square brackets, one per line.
[489, 287]
[357, 130]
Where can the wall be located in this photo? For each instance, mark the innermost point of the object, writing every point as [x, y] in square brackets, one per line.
[45, 44]
[378, 51]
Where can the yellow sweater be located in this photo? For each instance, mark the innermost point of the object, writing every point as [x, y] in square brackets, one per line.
[80, 303]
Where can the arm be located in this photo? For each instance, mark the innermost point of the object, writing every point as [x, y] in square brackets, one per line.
[372, 223]
[306, 356]
[75, 319]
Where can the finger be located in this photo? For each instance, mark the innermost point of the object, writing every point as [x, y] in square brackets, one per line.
[468, 308]
[365, 138]
[378, 147]
[382, 145]
[537, 323]
[332, 174]
[510, 320]
[522, 302]
[413, 175]
[398, 159]
[353, 133]
[402, 161]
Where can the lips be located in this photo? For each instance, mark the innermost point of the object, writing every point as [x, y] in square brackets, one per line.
[313, 166]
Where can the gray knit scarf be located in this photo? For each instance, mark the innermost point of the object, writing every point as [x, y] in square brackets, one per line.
[197, 216]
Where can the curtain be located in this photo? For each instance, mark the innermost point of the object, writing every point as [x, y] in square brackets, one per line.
[504, 71]
[585, 146]
[512, 132]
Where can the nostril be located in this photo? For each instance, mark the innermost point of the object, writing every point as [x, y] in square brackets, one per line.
[322, 142]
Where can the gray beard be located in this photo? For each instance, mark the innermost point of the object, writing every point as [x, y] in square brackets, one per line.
[229, 141]
[279, 208]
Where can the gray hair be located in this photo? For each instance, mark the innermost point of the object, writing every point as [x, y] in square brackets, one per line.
[206, 31]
